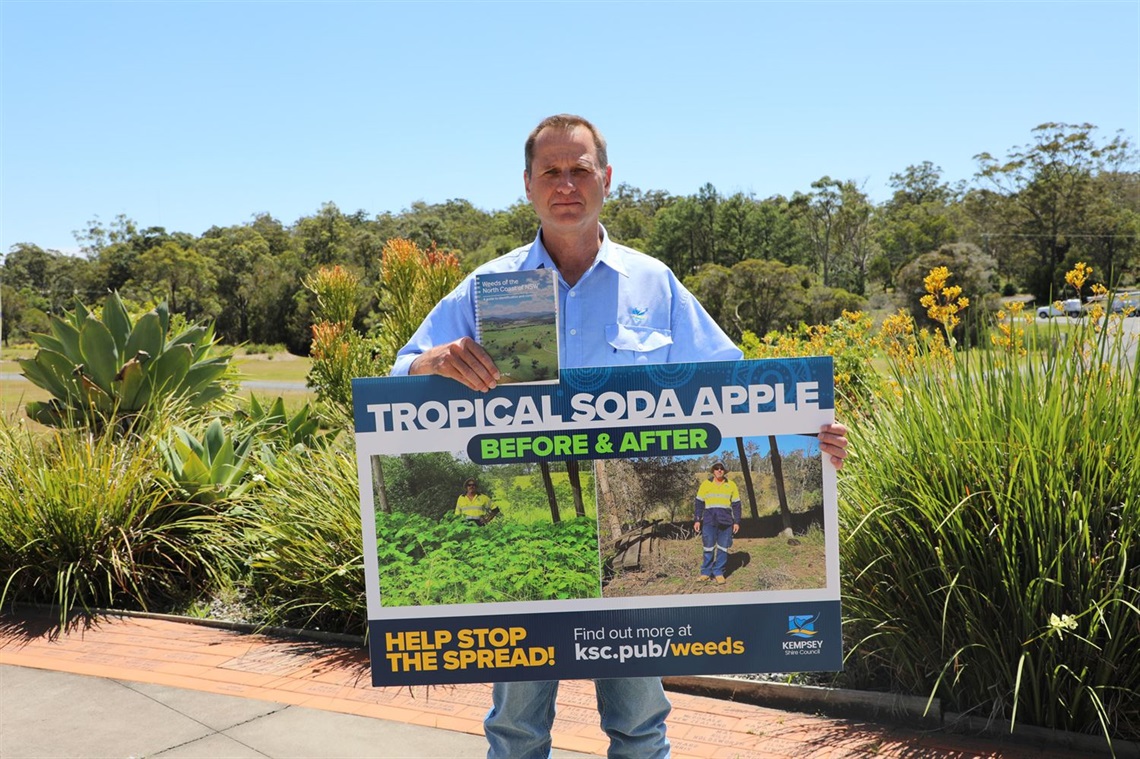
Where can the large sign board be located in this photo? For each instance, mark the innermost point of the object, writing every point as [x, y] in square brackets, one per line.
[592, 566]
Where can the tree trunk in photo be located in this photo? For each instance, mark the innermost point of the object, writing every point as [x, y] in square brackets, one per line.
[576, 487]
[549, 485]
[379, 493]
[607, 504]
[778, 476]
[746, 473]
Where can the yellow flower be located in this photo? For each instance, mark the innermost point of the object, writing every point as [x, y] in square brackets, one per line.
[1077, 276]
[943, 302]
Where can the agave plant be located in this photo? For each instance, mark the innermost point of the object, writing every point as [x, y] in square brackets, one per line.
[211, 468]
[278, 431]
[97, 367]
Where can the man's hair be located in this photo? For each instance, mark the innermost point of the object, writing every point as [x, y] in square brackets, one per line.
[566, 121]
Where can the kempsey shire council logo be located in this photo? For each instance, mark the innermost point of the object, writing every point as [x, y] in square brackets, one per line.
[801, 627]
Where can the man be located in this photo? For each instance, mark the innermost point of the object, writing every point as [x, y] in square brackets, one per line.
[617, 306]
[471, 504]
[716, 518]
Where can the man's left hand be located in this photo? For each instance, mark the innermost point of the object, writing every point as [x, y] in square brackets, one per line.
[833, 442]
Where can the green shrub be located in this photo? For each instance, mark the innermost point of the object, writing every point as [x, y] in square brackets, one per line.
[89, 520]
[277, 430]
[270, 350]
[308, 561]
[412, 282]
[851, 343]
[211, 468]
[423, 562]
[991, 521]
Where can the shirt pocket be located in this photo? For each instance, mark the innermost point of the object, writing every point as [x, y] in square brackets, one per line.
[639, 345]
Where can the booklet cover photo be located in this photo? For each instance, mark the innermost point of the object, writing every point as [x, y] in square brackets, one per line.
[516, 320]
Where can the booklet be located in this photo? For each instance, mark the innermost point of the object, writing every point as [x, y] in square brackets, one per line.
[516, 321]
[591, 565]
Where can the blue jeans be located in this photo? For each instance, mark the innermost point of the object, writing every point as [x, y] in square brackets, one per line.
[632, 709]
[716, 539]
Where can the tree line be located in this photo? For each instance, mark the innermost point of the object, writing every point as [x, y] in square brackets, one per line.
[758, 264]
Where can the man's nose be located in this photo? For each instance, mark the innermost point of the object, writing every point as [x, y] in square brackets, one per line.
[566, 182]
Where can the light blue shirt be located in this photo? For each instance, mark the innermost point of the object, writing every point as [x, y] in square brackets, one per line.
[628, 308]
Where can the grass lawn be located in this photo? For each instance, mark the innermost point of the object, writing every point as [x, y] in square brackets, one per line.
[272, 367]
[16, 393]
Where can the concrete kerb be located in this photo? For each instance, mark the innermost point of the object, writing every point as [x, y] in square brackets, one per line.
[837, 702]
[1041, 736]
[906, 711]
[321, 636]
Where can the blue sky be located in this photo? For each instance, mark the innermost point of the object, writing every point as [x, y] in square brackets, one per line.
[788, 444]
[189, 114]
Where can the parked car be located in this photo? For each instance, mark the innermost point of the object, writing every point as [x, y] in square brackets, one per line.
[1070, 308]
[1126, 302]
[1119, 303]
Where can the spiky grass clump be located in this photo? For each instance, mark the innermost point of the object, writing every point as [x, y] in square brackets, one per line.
[992, 533]
[90, 520]
[308, 564]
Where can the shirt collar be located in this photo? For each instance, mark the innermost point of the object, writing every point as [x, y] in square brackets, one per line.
[608, 254]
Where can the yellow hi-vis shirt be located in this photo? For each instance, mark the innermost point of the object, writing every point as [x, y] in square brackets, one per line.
[719, 495]
[472, 508]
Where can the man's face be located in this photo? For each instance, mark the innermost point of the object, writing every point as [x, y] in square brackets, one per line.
[718, 474]
[565, 183]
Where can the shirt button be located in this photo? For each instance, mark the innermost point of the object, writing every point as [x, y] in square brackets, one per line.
[573, 294]
[573, 332]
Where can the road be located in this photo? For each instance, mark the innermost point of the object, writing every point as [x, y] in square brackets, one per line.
[1131, 333]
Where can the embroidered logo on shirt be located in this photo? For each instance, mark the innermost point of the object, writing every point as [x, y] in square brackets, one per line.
[638, 314]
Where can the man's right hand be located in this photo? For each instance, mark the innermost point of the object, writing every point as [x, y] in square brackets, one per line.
[697, 527]
[463, 360]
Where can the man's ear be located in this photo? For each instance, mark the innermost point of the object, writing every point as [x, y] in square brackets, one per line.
[526, 183]
[609, 176]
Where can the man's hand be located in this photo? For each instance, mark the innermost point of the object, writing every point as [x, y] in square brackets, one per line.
[735, 529]
[463, 360]
[697, 527]
[833, 442]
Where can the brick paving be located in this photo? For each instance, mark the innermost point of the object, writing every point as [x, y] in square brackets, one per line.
[323, 676]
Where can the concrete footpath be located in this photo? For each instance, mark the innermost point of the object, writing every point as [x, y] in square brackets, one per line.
[133, 687]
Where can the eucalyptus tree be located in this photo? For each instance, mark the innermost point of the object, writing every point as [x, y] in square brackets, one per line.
[710, 285]
[182, 277]
[1055, 184]
[764, 296]
[836, 220]
[235, 253]
[818, 214]
[323, 237]
[683, 236]
[917, 219]
[629, 214]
